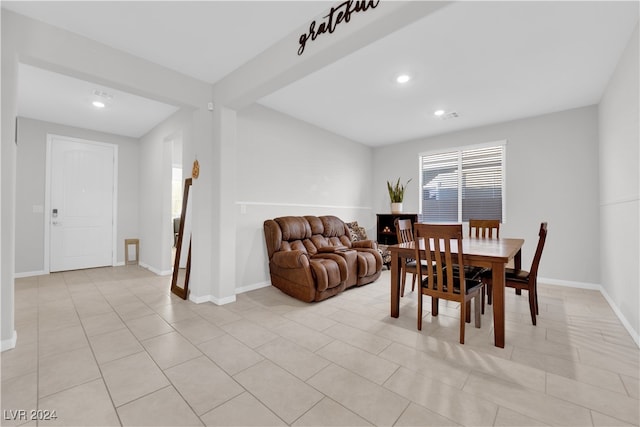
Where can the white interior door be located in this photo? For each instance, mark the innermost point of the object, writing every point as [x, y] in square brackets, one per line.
[81, 204]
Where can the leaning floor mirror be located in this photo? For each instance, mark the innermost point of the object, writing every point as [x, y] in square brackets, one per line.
[182, 262]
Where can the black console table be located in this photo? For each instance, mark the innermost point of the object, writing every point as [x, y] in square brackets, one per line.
[386, 230]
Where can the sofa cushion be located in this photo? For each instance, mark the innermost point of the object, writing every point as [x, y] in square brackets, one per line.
[357, 233]
[310, 246]
[295, 245]
[294, 228]
[319, 241]
[333, 226]
[315, 224]
[367, 264]
[329, 270]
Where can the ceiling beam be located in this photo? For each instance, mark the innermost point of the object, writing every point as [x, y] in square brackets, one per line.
[281, 64]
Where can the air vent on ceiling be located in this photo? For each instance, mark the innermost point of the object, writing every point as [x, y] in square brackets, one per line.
[102, 94]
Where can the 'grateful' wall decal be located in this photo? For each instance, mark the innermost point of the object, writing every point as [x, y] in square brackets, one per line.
[337, 15]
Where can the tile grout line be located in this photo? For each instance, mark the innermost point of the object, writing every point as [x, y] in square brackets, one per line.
[144, 349]
[171, 384]
[551, 351]
[115, 409]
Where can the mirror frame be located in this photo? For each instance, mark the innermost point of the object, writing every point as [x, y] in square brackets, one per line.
[182, 292]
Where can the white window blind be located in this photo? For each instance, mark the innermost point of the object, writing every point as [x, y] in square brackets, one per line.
[461, 184]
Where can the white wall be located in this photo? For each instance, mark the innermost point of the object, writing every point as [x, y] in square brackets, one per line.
[289, 167]
[156, 155]
[620, 188]
[35, 43]
[552, 175]
[30, 189]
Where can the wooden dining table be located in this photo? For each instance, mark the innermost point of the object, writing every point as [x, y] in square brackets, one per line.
[478, 252]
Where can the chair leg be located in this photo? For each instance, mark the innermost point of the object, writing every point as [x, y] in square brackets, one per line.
[434, 306]
[467, 316]
[518, 291]
[413, 282]
[535, 291]
[482, 296]
[476, 303]
[532, 305]
[489, 293]
[419, 311]
[463, 316]
[404, 279]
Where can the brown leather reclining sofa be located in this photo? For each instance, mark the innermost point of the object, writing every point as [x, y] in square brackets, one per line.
[313, 258]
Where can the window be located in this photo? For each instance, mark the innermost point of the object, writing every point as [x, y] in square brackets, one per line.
[460, 184]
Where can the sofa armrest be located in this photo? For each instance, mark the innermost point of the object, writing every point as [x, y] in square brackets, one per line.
[291, 259]
[368, 244]
[331, 249]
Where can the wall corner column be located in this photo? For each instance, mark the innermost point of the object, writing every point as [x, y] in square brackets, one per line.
[8, 153]
[224, 239]
[213, 266]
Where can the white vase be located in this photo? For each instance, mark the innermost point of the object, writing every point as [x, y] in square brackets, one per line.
[396, 208]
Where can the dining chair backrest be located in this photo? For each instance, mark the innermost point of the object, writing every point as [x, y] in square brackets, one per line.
[440, 238]
[542, 237]
[404, 230]
[484, 228]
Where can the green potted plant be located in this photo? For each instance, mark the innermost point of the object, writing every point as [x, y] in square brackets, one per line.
[396, 194]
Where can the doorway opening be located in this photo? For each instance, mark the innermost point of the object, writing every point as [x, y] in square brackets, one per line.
[172, 196]
[176, 203]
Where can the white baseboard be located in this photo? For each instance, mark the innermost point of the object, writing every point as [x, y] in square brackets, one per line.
[119, 264]
[10, 343]
[211, 298]
[223, 301]
[570, 283]
[635, 335]
[29, 274]
[199, 300]
[155, 270]
[252, 287]
[227, 300]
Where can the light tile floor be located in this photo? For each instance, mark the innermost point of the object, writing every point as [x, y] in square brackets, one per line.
[112, 346]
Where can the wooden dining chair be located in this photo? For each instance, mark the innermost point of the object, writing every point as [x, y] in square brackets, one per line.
[522, 279]
[485, 229]
[439, 278]
[404, 232]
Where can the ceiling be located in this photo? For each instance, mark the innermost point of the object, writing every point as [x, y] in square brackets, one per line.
[486, 61]
[53, 97]
[203, 39]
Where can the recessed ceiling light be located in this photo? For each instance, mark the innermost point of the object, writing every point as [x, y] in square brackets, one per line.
[98, 104]
[403, 78]
[446, 115]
